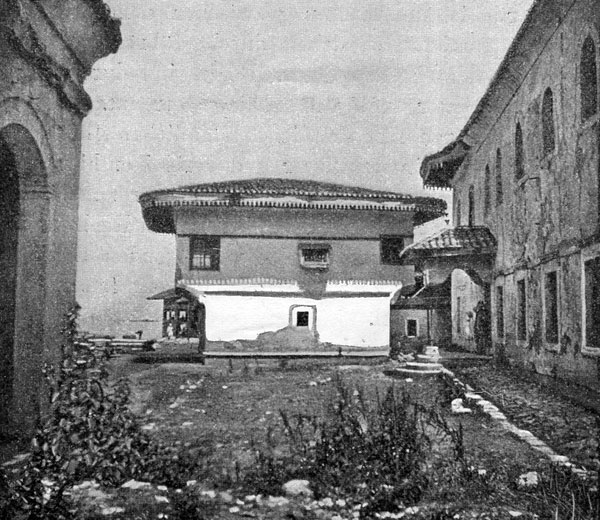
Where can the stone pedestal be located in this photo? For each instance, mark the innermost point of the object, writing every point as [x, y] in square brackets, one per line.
[427, 364]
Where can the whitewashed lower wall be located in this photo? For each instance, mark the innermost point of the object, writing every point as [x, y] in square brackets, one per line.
[360, 321]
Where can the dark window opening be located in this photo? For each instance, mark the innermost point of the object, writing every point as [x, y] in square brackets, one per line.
[521, 311]
[471, 206]
[551, 306]
[411, 328]
[458, 213]
[500, 312]
[458, 316]
[519, 153]
[499, 191]
[592, 303]
[548, 133]
[588, 80]
[391, 248]
[314, 256]
[204, 253]
[487, 194]
[302, 318]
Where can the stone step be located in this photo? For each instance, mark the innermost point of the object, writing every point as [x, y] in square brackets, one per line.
[408, 372]
[413, 365]
[427, 359]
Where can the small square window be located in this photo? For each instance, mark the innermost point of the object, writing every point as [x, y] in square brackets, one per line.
[314, 256]
[204, 253]
[391, 248]
[412, 328]
[302, 318]
[521, 311]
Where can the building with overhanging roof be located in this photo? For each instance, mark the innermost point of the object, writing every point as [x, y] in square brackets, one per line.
[48, 48]
[261, 255]
[524, 171]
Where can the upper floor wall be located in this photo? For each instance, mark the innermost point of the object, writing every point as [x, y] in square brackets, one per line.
[533, 178]
[286, 244]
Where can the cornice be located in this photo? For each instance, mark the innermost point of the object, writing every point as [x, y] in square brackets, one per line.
[26, 44]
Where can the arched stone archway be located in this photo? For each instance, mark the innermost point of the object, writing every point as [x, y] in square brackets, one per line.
[24, 216]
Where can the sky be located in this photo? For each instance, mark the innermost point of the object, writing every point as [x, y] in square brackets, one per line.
[348, 91]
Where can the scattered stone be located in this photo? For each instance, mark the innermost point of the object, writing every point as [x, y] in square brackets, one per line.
[326, 502]
[528, 480]
[277, 501]
[86, 484]
[234, 509]
[187, 424]
[340, 502]
[149, 426]
[107, 511]
[135, 484]
[250, 498]
[457, 406]
[515, 514]
[209, 493]
[162, 488]
[225, 497]
[190, 483]
[161, 500]
[297, 487]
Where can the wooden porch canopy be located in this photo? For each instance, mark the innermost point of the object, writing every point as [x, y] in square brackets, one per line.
[470, 248]
[428, 297]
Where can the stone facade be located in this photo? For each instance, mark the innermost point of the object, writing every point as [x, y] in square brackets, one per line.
[47, 48]
[526, 166]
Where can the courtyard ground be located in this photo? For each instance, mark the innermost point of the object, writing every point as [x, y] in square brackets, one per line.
[227, 411]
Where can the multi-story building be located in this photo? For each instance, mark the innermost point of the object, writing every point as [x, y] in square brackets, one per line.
[525, 172]
[263, 255]
[47, 49]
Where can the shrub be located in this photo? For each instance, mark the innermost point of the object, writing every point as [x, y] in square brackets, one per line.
[88, 433]
[375, 454]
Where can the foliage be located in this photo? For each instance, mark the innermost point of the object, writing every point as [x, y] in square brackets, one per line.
[87, 433]
[375, 454]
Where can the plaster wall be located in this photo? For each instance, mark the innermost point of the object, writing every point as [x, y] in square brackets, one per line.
[339, 321]
[265, 243]
[550, 215]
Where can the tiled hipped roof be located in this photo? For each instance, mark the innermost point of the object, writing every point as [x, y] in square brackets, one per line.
[459, 240]
[285, 187]
[158, 205]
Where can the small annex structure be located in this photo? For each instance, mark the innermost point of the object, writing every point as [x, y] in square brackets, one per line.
[48, 48]
[525, 173]
[261, 256]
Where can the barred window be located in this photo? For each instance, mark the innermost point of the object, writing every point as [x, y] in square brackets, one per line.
[205, 253]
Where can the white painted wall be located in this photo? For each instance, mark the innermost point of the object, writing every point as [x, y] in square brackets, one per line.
[341, 321]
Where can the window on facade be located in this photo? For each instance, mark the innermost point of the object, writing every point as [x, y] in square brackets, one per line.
[412, 328]
[471, 206]
[314, 256]
[592, 303]
[458, 215]
[519, 153]
[588, 80]
[487, 194]
[204, 253]
[182, 314]
[548, 133]
[551, 306]
[391, 247]
[500, 312]
[458, 315]
[499, 191]
[302, 318]
[521, 310]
